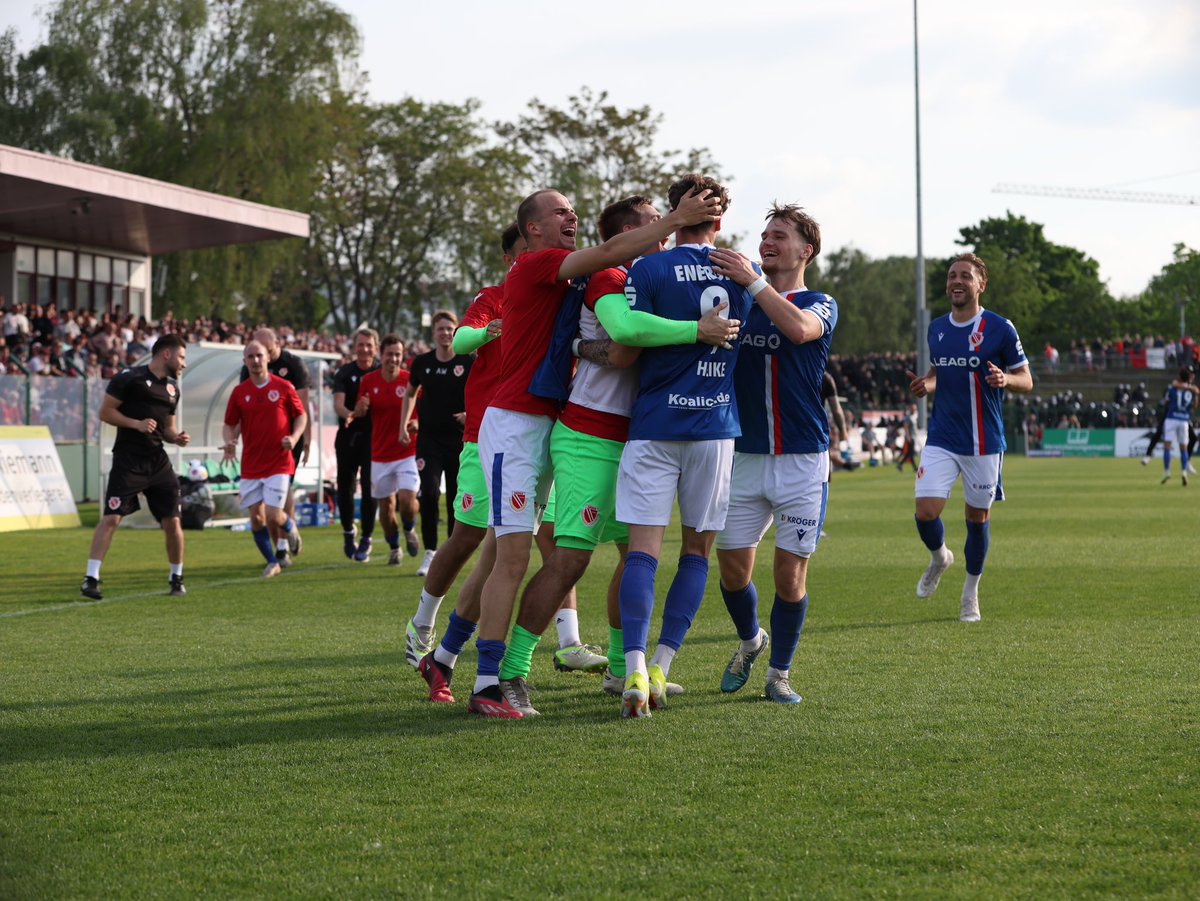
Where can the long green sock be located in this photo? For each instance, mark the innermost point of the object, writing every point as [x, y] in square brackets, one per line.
[616, 652]
[518, 656]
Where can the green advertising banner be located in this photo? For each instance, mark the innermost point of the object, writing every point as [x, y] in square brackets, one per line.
[1079, 442]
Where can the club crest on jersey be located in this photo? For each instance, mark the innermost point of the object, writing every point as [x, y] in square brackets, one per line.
[171, 390]
[975, 339]
[458, 371]
[114, 503]
[273, 396]
[517, 500]
[589, 515]
[247, 398]
[283, 370]
[468, 501]
[399, 391]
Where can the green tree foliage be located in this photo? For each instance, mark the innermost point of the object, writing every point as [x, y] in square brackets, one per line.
[875, 300]
[1177, 285]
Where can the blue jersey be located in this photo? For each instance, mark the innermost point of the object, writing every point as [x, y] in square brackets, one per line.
[1179, 402]
[967, 418]
[685, 391]
[778, 383]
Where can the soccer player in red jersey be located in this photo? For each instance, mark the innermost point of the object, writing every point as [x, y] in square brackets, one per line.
[394, 479]
[267, 413]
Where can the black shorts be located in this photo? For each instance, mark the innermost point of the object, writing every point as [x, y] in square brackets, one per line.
[153, 477]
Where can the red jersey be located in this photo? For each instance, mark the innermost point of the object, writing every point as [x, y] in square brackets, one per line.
[532, 297]
[387, 399]
[598, 386]
[266, 415]
[485, 373]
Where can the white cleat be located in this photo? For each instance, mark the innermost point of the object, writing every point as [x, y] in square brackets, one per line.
[423, 569]
[969, 612]
[933, 575]
[271, 571]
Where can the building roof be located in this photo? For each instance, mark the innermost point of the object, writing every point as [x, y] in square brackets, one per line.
[43, 196]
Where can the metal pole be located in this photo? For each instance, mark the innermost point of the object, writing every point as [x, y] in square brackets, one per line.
[921, 312]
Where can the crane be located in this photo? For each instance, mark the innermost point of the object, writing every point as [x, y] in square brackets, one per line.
[1097, 194]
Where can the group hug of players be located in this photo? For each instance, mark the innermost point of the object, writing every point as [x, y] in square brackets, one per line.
[631, 377]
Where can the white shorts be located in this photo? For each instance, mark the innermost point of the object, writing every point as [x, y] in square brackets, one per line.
[271, 491]
[789, 490]
[514, 451]
[1175, 431]
[653, 472]
[980, 476]
[396, 475]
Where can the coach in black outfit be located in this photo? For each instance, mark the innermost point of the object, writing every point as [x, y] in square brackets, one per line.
[441, 376]
[291, 368]
[141, 403]
[353, 444]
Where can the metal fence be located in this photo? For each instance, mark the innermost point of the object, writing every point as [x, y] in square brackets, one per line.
[69, 407]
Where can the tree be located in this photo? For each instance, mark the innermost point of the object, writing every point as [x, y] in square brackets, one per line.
[1171, 295]
[875, 300]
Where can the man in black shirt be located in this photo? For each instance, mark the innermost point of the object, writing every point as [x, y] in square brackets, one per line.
[290, 367]
[353, 445]
[141, 403]
[441, 376]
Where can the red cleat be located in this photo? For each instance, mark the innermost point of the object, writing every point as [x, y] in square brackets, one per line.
[438, 675]
[482, 703]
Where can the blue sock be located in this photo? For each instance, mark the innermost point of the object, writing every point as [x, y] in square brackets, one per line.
[458, 632]
[287, 526]
[683, 599]
[637, 599]
[1183, 460]
[743, 610]
[786, 622]
[976, 547]
[407, 524]
[490, 655]
[262, 538]
[393, 541]
[1166, 461]
[932, 532]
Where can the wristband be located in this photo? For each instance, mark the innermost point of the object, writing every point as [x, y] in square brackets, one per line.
[575, 346]
[756, 287]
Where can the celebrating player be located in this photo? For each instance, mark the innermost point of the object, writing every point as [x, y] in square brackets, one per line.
[1181, 398]
[266, 411]
[781, 461]
[974, 355]
[353, 445]
[394, 480]
[141, 404]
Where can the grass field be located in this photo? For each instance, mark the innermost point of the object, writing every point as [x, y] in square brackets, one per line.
[266, 739]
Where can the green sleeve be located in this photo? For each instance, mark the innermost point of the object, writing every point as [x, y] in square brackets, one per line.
[467, 339]
[634, 328]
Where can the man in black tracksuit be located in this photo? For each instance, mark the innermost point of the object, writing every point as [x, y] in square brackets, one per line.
[353, 445]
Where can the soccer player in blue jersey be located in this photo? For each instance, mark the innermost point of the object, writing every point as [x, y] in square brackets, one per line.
[781, 460]
[974, 355]
[1181, 398]
[681, 432]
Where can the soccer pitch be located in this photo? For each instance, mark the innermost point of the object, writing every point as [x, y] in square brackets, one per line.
[265, 739]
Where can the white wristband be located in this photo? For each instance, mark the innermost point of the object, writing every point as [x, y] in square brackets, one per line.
[575, 346]
[756, 287]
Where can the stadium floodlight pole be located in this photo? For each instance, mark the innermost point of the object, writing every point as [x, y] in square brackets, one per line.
[922, 316]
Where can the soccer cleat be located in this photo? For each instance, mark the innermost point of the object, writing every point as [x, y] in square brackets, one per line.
[610, 684]
[175, 587]
[437, 676]
[416, 644]
[492, 704]
[969, 611]
[737, 672]
[394, 557]
[284, 558]
[580, 658]
[348, 544]
[1145, 461]
[363, 554]
[1166, 478]
[423, 569]
[780, 691]
[635, 700]
[271, 571]
[933, 575]
[410, 542]
[658, 687]
[1185, 480]
[90, 589]
[674, 689]
[516, 692]
[295, 542]
[1190, 468]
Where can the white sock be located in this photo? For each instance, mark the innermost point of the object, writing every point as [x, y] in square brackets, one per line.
[93, 568]
[635, 662]
[441, 655]
[971, 586]
[567, 623]
[941, 554]
[773, 673]
[281, 544]
[752, 644]
[427, 611]
[663, 656]
[177, 569]
[482, 682]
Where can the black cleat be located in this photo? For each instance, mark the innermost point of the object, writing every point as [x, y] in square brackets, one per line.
[176, 589]
[283, 558]
[348, 544]
[90, 589]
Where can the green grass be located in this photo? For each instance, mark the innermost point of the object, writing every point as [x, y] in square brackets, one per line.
[266, 739]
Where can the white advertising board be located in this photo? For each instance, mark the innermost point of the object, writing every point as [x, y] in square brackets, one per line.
[34, 492]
